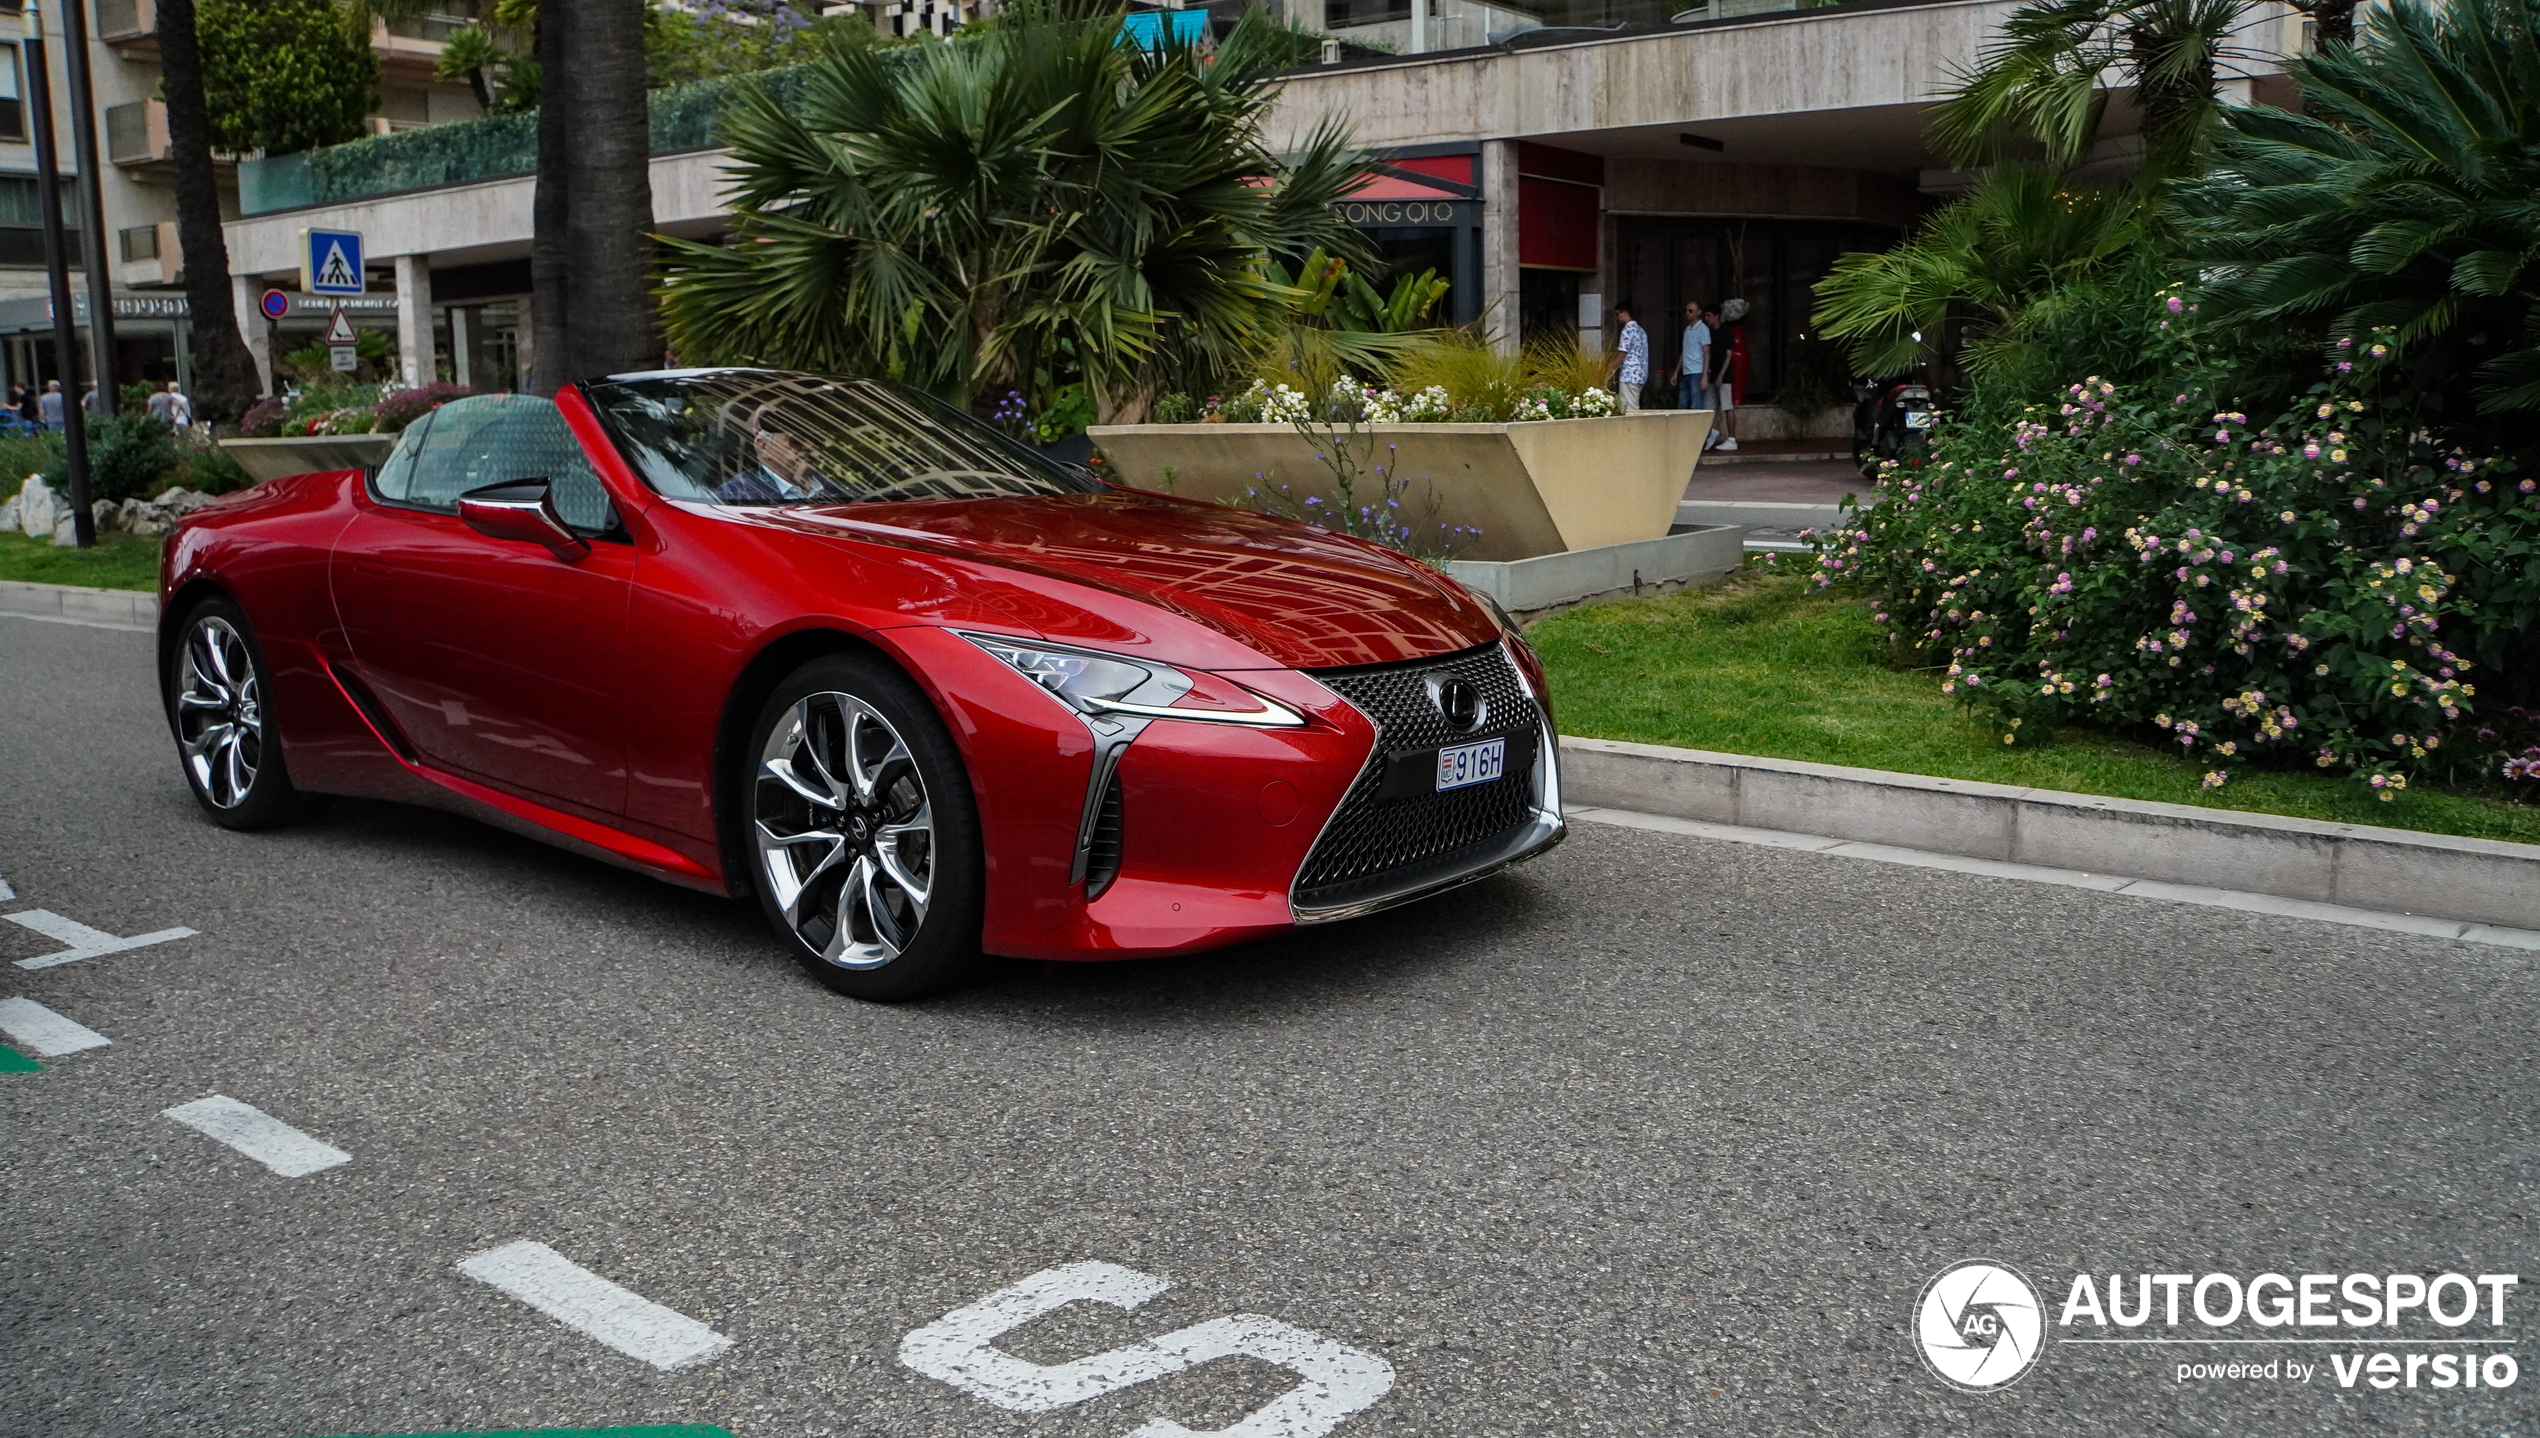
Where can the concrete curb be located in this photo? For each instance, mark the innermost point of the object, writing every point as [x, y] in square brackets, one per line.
[123, 608]
[1758, 513]
[1524, 585]
[2353, 865]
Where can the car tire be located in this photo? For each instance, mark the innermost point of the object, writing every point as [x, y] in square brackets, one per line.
[860, 831]
[220, 707]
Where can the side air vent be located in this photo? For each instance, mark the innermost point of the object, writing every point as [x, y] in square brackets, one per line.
[372, 711]
[1102, 860]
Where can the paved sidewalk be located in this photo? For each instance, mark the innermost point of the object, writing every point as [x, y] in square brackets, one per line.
[1773, 501]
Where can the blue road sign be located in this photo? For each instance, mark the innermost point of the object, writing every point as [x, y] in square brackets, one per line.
[276, 304]
[331, 262]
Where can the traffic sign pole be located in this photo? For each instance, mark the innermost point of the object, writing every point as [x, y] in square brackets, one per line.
[92, 207]
[58, 275]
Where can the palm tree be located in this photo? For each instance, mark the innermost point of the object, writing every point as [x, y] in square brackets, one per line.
[2404, 203]
[2020, 238]
[2048, 79]
[599, 87]
[225, 380]
[961, 215]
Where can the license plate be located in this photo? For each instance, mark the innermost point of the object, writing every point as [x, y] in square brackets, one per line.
[1472, 764]
[1918, 419]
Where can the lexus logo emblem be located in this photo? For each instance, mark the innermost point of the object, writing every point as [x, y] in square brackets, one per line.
[1459, 703]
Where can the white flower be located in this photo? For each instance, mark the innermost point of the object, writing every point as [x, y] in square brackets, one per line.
[1427, 407]
[1592, 402]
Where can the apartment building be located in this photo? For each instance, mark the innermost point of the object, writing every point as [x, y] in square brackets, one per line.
[139, 246]
[1561, 157]
[1550, 157]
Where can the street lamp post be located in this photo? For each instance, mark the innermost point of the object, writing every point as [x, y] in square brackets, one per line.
[57, 271]
[92, 205]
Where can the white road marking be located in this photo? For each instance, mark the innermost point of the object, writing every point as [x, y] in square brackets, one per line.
[578, 1298]
[960, 1349]
[6, 893]
[85, 942]
[45, 1031]
[2073, 878]
[259, 1135]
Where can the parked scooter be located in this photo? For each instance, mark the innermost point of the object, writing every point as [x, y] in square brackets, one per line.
[1890, 418]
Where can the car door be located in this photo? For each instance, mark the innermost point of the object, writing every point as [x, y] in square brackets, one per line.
[499, 659]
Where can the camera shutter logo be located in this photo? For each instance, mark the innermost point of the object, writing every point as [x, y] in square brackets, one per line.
[1978, 1326]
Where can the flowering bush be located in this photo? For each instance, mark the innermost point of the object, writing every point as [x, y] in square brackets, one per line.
[1352, 400]
[1268, 404]
[2330, 583]
[1428, 406]
[1545, 401]
[263, 420]
[399, 408]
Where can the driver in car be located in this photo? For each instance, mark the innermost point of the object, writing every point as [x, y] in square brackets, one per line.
[781, 470]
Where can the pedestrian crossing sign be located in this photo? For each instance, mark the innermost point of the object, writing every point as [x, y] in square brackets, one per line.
[331, 262]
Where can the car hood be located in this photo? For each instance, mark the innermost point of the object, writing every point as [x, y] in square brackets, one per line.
[1299, 596]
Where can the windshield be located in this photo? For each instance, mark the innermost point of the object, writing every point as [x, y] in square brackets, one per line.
[760, 437]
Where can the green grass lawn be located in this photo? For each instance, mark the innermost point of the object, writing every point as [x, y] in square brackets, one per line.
[120, 561]
[1757, 665]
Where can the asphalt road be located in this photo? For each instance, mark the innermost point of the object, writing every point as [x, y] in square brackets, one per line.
[1657, 1135]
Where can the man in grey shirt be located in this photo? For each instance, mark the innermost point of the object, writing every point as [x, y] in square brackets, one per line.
[1693, 362]
[51, 405]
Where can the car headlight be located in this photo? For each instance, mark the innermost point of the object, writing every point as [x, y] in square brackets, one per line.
[1095, 683]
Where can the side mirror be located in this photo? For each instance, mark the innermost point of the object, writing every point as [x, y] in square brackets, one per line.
[521, 509]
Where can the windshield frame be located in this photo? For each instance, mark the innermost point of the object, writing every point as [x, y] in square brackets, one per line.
[1030, 465]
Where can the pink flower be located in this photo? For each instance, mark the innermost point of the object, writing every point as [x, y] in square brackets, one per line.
[2177, 305]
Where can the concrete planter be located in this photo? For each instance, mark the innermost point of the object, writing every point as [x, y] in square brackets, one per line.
[1547, 487]
[265, 459]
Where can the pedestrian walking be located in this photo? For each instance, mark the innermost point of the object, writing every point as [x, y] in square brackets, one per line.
[1732, 367]
[1631, 358]
[26, 405]
[1693, 361]
[88, 401]
[171, 408]
[1723, 387]
[49, 409]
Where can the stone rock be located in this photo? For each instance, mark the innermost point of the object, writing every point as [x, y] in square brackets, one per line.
[65, 534]
[39, 509]
[103, 511]
[184, 501]
[9, 515]
[144, 517]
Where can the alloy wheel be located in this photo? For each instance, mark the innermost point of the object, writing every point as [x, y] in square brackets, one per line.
[220, 713]
[845, 831]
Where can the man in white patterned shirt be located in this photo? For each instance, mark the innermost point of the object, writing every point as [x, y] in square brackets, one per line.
[1632, 354]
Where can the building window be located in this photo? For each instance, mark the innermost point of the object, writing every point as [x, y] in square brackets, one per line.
[141, 242]
[12, 109]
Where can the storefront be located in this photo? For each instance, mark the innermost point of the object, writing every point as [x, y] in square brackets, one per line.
[1423, 209]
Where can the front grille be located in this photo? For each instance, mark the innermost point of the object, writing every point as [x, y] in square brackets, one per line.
[1102, 859]
[1372, 838]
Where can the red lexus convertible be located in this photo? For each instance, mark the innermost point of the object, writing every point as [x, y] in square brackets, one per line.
[922, 690]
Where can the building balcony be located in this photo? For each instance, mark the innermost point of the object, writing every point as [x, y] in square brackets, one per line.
[464, 152]
[148, 257]
[410, 48]
[137, 134]
[131, 26]
[137, 141]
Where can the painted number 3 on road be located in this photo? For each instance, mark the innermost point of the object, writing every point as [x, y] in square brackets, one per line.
[960, 1349]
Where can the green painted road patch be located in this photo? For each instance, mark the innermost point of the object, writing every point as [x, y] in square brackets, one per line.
[13, 1062]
